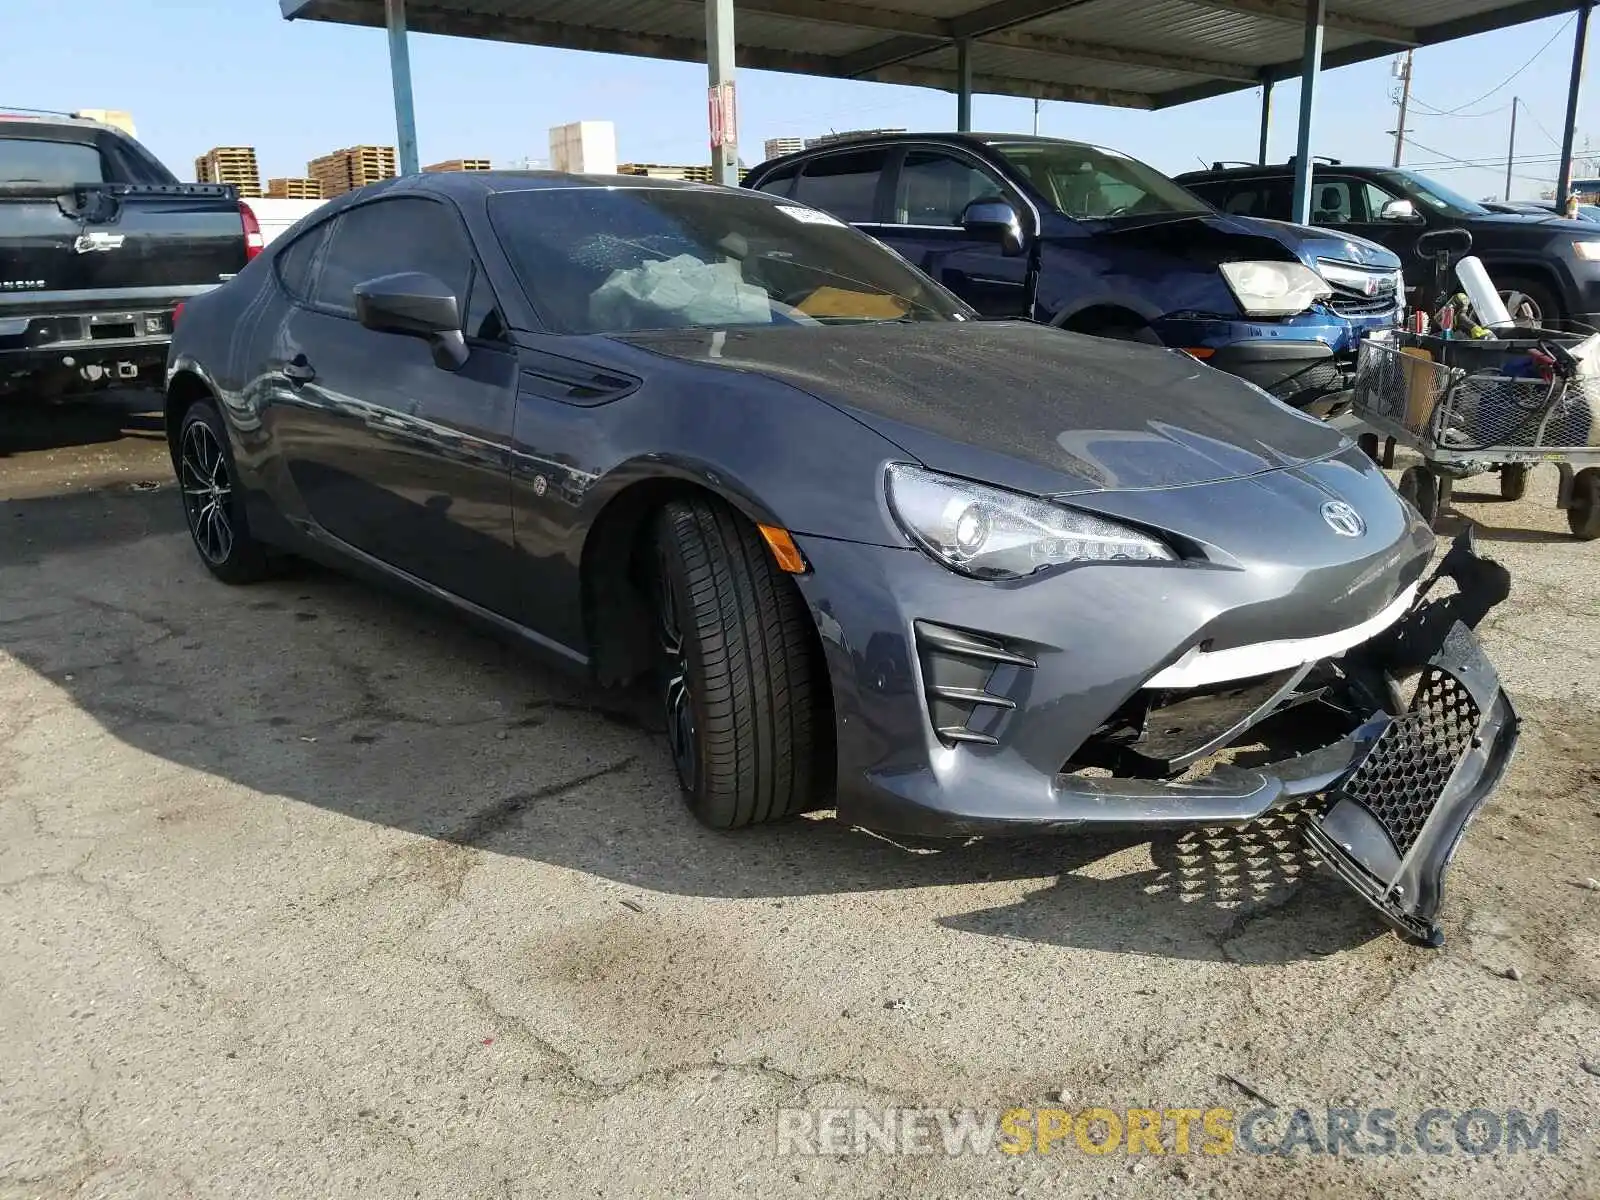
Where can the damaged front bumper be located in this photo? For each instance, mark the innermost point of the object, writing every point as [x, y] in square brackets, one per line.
[1389, 783]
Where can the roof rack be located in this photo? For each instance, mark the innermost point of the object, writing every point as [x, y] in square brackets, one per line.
[1316, 158]
[22, 110]
[1222, 164]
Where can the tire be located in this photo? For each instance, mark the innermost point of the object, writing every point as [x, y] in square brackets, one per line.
[212, 505]
[1530, 302]
[1514, 481]
[1369, 445]
[742, 683]
[1418, 485]
[1583, 515]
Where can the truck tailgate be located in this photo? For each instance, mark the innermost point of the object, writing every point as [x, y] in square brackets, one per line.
[108, 242]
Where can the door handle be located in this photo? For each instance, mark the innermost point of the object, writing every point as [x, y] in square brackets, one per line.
[298, 370]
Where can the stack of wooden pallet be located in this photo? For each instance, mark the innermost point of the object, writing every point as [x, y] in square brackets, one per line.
[351, 168]
[459, 164]
[230, 164]
[282, 188]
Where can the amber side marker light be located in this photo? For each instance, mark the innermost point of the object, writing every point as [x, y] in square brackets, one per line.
[784, 551]
[1200, 352]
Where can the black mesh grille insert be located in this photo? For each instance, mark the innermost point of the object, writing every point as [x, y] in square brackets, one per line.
[1403, 776]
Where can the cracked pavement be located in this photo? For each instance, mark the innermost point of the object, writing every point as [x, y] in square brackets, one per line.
[306, 890]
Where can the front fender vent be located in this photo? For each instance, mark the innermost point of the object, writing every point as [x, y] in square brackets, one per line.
[965, 678]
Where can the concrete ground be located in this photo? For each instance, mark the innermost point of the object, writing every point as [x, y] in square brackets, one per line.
[308, 891]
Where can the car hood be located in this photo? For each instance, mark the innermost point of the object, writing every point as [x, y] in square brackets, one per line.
[1024, 405]
[1310, 243]
[1222, 237]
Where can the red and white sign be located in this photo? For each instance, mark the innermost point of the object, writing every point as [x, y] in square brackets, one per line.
[724, 116]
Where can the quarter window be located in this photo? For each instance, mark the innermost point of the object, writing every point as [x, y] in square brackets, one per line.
[296, 262]
[387, 237]
[779, 182]
[844, 184]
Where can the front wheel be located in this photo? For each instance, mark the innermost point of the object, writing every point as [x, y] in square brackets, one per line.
[1513, 481]
[741, 679]
[1418, 485]
[1530, 303]
[211, 500]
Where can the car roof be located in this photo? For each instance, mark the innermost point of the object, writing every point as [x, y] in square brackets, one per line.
[1268, 170]
[867, 140]
[481, 182]
[53, 126]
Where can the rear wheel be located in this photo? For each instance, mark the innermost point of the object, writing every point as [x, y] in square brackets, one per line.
[1583, 513]
[212, 502]
[741, 680]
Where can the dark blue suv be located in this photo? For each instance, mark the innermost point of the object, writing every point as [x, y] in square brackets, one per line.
[1093, 241]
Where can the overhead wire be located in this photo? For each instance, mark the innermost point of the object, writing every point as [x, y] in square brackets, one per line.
[1450, 112]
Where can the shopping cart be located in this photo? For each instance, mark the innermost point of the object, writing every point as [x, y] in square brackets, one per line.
[1469, 406]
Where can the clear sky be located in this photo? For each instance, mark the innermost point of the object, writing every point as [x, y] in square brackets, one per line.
[199, 73]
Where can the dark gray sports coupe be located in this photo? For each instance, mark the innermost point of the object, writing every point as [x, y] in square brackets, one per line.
[949, 575]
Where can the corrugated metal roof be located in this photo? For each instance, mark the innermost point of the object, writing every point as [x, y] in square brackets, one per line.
[1134, 53]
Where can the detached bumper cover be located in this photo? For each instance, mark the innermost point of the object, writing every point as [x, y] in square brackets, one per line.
[1394, 822]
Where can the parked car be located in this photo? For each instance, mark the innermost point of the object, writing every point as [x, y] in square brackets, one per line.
[99, 243]
[1546, 269]
[952, 576]
[1093, 241]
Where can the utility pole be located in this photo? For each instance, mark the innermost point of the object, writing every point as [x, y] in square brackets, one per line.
[1035, 116]
[1511, 146]
[1405, 103]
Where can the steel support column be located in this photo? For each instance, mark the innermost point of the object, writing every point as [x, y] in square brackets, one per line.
[405, 114]
[1266, 118]
[1580, 47]
[964, 85]
[721, 105]
[1310, 70]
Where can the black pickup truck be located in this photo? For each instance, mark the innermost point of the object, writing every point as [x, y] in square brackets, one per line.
[99, 244]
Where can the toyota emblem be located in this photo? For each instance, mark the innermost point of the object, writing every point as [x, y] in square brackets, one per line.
[1342, 519]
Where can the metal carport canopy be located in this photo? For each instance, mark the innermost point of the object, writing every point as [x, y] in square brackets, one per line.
[1146, 54]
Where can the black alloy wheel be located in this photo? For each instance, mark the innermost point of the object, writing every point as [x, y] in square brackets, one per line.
[211, 501]
[742, 684]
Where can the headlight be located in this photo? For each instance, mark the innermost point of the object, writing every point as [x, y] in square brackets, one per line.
[1588, 251]
[988, 533]
[1274, 289]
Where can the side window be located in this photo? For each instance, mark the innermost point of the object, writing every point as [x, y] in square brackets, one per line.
[845, 185]
[935, 188]
[780, 182]
[483, 313]
[1244, 202]
[1330, 202]
[1376, 198]
[296, 262]
[387, 236]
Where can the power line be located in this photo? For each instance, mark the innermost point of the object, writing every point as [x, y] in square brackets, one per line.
[1554, 141]
[1432, 111]
[1450, 112]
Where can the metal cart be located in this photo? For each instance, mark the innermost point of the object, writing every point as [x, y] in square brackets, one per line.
[1458, 404]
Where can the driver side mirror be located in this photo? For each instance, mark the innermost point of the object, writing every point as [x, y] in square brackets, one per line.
[418, 305]
[1398, 210]
[994, 220]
